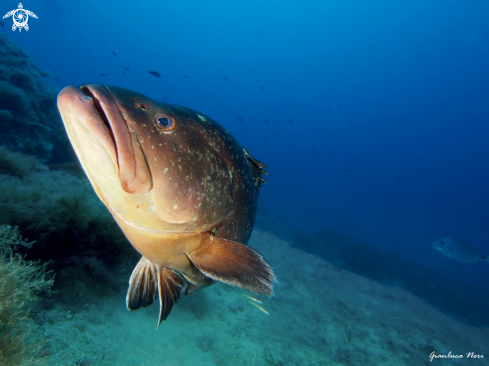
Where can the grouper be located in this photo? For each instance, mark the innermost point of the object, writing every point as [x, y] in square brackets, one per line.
[181, 188]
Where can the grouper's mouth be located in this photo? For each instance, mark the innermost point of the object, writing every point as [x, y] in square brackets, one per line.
[107, 133]
[96, 108]
[85, 89]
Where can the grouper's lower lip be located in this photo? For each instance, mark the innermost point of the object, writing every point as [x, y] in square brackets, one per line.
[134, 173]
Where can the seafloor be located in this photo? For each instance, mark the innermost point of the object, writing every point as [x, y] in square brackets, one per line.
[320, 315]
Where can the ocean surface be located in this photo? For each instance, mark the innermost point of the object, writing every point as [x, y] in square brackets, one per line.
[373, 120]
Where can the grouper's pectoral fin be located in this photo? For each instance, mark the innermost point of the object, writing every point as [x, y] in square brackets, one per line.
[234, 264]
[147, 281]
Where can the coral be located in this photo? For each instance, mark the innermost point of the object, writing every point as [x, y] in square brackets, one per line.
[20, 282]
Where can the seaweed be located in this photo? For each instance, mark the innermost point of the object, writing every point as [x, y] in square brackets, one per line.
[20, 282]
[57, 207]
[38, 198]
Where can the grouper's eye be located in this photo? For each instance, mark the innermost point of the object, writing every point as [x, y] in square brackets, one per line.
[164, 122]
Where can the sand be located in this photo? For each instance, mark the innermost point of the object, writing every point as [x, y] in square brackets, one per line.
[320, 315]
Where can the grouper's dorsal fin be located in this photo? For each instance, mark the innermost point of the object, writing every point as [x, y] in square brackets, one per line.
[147, 282]
[258, 168]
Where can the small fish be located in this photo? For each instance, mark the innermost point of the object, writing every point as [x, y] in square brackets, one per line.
[346, 170]
[156, 74]
[262, 88]
[191, 230]
[313, 151]
[114, 53]
[459, 250]
[252, 298]
[185, 76]
[225, 77]
[259, 307]
[103, 74]
[1, 23]
[266, 121]
[290, 120]
[240, 119]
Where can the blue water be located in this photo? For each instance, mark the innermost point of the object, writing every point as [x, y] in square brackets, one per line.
[377, 111]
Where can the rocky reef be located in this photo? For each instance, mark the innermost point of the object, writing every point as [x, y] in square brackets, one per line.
[45, 193]
[56, 206]
[29, 119]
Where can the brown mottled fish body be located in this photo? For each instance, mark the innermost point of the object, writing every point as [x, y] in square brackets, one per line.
[181, 188]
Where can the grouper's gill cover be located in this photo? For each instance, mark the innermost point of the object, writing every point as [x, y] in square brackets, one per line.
[191, 166]
[181, 188]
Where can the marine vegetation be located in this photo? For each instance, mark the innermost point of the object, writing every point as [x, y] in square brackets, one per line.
[55, 206]
[44, 199]
[20, 282]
